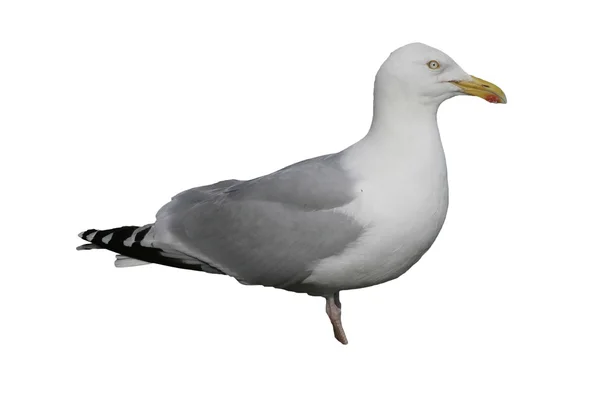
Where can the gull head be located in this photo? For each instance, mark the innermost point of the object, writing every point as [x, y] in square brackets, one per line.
[418, 72]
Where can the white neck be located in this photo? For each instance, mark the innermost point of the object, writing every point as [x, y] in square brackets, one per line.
[403, 136]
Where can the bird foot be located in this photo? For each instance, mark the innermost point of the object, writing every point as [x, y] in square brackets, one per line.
[333, 307]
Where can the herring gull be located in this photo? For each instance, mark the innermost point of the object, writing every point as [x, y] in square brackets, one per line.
[342, 221]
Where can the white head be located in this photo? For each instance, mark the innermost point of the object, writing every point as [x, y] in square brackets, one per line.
[419, 73]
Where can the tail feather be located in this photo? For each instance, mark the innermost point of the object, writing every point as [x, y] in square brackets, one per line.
[124, 261]
[129, 243]
[89, 246]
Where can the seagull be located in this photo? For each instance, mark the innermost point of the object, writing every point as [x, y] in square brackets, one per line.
[349, 220]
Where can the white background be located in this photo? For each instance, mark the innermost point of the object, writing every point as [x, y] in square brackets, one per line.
[108, 108]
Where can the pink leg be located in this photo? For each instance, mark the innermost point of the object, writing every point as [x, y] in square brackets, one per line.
[333, 307]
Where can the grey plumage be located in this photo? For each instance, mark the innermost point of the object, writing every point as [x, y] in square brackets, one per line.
[318, 183]
[262, 242]
[268, 231]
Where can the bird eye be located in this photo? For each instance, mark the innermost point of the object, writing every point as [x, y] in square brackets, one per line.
[433, 64]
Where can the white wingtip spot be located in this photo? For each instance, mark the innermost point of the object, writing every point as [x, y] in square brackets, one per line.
[129, 241]
[107, 238]
[90, 237]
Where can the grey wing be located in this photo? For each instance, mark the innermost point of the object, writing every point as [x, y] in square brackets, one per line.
[192, 196]
[315, 184]
[269, 231]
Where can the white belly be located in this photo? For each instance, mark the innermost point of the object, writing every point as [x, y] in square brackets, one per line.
[402, 211]
[390, 245]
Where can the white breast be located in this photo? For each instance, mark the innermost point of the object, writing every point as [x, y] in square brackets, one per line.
[402, 199]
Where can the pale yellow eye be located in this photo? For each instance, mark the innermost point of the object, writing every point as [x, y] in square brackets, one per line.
[433, 64]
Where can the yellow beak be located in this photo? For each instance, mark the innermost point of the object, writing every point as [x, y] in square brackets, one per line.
[484, 89]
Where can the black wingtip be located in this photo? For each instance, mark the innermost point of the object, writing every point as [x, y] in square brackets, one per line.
[85, 234]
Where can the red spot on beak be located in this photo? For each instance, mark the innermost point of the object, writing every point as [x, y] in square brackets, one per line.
[492, 98]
